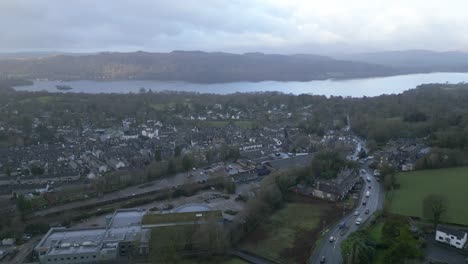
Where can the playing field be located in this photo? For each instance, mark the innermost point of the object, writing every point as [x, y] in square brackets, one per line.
[414, 186]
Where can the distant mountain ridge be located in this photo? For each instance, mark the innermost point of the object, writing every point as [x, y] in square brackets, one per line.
[190, 66]
[218, 67]
[413, 60]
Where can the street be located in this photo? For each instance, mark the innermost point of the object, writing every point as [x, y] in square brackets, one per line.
[332, 250]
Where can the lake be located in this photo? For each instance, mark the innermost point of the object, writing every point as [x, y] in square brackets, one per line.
[351, 87]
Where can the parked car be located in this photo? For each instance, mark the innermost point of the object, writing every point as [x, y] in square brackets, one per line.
[331, 239]
[364, 203]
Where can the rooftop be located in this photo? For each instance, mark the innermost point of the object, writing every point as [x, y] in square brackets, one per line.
[181, 218]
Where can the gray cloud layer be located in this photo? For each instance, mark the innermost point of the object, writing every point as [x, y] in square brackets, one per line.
[286, 26]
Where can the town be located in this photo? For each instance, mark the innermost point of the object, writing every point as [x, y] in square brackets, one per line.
[101, 187]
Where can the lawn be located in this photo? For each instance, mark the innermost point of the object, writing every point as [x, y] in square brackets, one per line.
[213, 261]
[416, 185]
[276, 238]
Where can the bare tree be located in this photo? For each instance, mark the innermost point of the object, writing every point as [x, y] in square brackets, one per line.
[434, 208]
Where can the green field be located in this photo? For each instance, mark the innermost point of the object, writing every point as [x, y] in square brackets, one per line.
[280, 233]
[213, 261]
[416, 185]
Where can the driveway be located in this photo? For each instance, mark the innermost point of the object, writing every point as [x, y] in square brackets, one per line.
[436, 252]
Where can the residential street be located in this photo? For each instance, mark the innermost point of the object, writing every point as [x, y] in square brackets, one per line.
[332, 250]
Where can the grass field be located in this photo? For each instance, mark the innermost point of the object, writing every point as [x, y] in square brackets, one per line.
[213, 261]
[414, 186]
[279, 235]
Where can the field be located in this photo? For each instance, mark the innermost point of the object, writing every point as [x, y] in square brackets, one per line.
[213, 261]
[414, 186]
[290, 233]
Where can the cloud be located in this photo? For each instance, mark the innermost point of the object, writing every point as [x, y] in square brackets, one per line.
[235, 25]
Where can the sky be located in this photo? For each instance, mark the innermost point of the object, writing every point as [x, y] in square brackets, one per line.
[272, 26]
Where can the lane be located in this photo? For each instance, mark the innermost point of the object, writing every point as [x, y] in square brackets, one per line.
[332, 250]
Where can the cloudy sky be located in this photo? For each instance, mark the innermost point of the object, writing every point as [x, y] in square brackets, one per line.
[282, 26]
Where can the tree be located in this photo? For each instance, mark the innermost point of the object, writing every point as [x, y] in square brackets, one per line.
[434, 208]
[171, 167]
[362, 154]
[23, 204]
[187, 163]
[177, 151]
[157, 155]
[357, 248]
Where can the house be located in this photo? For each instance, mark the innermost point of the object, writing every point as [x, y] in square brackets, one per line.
[335, 189]
[451, 236]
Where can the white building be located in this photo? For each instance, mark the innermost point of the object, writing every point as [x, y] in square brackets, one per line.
[453, 237]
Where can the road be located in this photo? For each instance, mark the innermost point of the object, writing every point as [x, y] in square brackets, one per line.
[332, 250]
[134, 191]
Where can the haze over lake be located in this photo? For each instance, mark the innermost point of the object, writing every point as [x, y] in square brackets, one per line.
[353, 87]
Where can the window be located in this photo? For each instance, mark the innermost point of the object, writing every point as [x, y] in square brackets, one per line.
[68, 258]
[440, 238]
[74, 257]
[94, 256]
[82, 257]
[458, 243]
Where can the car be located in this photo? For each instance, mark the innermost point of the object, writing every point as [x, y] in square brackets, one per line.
[356, 213]
[364, 203]
[358, 221]
[323, 259]
[369, 187]
[367, 211]
[331, 239]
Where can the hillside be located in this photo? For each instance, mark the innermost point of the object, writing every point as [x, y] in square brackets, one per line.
[190, 66]
[413, 60]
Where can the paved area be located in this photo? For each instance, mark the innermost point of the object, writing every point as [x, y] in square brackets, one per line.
[437, 252]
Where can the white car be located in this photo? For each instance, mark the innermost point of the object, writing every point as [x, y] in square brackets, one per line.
[358, 221]
[356, 213]
[331, 239]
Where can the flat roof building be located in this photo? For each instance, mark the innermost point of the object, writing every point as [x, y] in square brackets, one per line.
[127, 235]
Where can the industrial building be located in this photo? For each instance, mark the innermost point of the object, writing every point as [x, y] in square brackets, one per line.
[124, 238]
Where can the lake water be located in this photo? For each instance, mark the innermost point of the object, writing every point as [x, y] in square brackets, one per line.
[352, 87]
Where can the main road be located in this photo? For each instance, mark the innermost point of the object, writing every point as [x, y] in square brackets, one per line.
[332, 250]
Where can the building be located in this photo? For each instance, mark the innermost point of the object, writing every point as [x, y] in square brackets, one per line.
[121, 239]
[126, 237]
[451, 236]
[335, 189]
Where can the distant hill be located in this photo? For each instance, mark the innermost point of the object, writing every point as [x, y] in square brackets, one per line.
[190, 66]
[413, 60]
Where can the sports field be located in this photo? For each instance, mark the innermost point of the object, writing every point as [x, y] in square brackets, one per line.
[416, 185]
